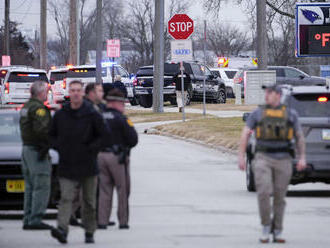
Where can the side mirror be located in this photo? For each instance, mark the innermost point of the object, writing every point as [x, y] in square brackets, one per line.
[51, 81]
[301, 77]
[212, 77]
[246, 116]
[131, 75]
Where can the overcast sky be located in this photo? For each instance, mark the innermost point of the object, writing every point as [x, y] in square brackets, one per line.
[27, 13]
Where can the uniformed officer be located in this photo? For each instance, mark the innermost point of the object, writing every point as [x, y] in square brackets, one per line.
[36, 166]
[113, 160]
[94, 95]
[275, 126]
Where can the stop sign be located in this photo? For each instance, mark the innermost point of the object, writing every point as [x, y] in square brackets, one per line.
[180, 26]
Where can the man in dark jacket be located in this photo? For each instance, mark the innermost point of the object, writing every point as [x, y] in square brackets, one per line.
[117, 84]
[36, 166]
[114, 160]
[76, 133]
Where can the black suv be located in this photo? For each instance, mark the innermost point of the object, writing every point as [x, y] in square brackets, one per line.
[312, 104]
[215, 87]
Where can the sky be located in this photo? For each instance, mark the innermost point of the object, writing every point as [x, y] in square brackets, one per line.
[27, 13]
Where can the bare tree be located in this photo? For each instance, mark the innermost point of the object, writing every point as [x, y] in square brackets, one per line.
[226, 40]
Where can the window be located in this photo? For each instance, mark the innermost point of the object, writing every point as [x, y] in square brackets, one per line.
[57, 76]
[120, 71]
[197, 70]
[292, 73]
[27, 77]
[206, 71]
[147, 71]
[230, 74]
[308, 105]
[9, 128]
[216, 73]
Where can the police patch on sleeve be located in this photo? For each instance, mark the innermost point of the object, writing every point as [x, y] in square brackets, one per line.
[41, 112]
[130, 123]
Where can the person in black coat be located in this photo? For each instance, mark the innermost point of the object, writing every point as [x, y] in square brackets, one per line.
[117, 84]
[76, 134]
[178, 87]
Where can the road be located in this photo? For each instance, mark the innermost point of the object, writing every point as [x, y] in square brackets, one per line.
[188, 196]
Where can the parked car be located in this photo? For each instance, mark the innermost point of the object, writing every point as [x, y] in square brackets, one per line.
[312, 104]
[11, 178]
[227, 74]
[285, 75]
[215, 86]
[15, 83]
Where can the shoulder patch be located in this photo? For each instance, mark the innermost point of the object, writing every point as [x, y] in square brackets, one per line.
[130, 123]
[41, 112]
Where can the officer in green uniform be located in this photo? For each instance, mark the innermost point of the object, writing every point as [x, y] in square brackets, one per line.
[36, 166]
[275, 126]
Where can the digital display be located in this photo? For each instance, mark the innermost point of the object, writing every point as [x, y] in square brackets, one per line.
[314, 40]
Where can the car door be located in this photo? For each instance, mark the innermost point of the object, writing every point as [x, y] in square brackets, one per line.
[296, 77]
[280, 75]
[198, 77]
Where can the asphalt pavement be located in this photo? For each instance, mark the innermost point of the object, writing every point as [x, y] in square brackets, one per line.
[185, 195]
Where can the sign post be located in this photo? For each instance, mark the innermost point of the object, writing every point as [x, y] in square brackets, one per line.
[180, 27]
[113, 51]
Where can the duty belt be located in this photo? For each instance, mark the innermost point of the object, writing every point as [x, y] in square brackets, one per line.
[275, 150]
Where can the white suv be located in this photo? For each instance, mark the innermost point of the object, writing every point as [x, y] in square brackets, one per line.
[56, 77]
[87, 73]
[15, 83]
[227, 74]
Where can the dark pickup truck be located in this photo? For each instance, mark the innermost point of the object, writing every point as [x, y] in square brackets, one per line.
[215, 86]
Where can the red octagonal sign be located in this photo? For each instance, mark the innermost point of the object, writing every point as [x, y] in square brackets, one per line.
[180, 26]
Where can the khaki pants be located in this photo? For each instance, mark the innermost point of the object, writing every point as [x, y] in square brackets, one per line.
[179, 97]
[113, 175]
[272, 176]
[36, 175]
[69, 190]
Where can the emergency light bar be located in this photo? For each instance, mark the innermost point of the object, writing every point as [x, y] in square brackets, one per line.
[28, 75]
[108, 63]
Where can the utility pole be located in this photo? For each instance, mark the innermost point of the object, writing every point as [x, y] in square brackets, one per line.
[98, 40]
[158, 97]
[262, 35]
[73, 32]
[78, 33]
[43, 34]
[7, 32]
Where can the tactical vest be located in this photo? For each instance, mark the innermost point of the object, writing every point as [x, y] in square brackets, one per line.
[274, 132]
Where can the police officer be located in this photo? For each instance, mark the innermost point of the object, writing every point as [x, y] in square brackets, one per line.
[94, 95]
[275, 126]
[36, 166]
[118, 84]
[113, 160]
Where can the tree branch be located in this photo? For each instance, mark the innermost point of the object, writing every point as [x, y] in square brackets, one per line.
[279, 11]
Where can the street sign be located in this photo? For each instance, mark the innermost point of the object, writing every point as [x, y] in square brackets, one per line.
[181, 50]
[6, 61]
[180, 26]
[113, 48]
[312, 29]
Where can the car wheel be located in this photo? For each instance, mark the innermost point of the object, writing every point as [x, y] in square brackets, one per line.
[189, 96]
[146, 101]
[221, 96]
[134, 101]
[250, 184]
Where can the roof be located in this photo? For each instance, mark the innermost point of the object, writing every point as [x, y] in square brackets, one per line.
[223, 69]
[21, 69]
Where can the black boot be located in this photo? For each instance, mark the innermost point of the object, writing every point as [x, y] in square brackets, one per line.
[89, 238]
[59, 234]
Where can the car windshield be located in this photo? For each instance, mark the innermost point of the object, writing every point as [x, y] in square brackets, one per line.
[146, 71]
[230, 74]
[9, 128]
[57, 76]
[311, 105]
[27, 77]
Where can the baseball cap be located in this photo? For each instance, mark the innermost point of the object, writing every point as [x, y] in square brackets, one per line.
[272, 87]
[115, 95]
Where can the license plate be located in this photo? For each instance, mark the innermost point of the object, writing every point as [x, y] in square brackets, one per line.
[326, 134]
[15, 186]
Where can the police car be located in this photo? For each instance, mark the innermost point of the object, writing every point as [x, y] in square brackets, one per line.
[56, 77]
[312, 104]
[87, 74]
[15, 83]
